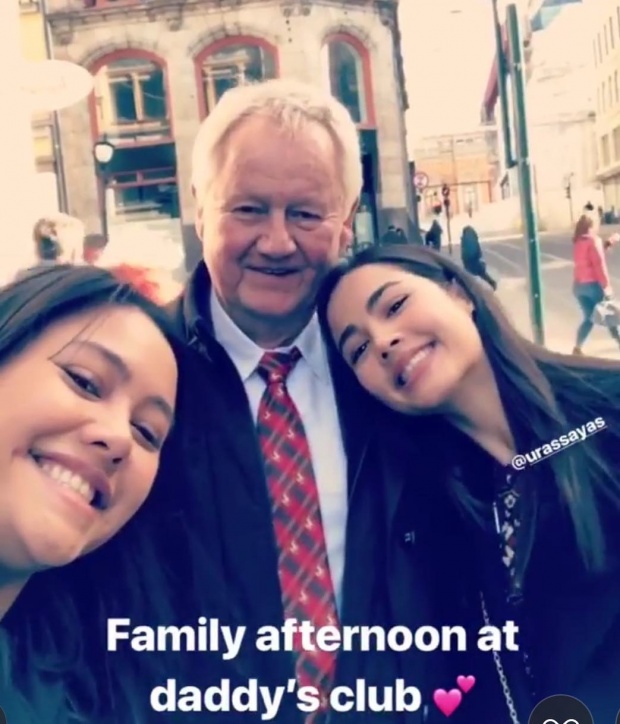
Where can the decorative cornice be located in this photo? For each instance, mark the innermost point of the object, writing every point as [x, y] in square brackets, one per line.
[291, 8]
[65, 21]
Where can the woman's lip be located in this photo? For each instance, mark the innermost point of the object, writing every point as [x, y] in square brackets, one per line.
[404, 360]
[94, 475]
[413, 373]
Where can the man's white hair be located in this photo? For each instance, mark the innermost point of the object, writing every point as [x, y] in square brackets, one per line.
[291, 104]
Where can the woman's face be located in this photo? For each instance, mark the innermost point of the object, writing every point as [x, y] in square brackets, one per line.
[410, 341]
[84, 411]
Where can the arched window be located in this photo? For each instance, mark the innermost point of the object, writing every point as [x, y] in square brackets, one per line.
[130, 93]
[233, 62]
[349, 79]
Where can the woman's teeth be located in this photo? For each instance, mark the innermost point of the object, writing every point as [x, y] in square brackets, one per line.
[68, 478]
[403, 377]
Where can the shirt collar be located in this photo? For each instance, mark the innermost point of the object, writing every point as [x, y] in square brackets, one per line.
[246, 354]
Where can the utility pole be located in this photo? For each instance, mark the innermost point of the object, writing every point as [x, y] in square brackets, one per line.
[524, 167]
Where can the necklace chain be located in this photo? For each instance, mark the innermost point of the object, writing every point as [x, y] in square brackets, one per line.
[500, 670]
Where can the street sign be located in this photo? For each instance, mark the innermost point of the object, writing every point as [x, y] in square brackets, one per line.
[445, 191]
[420, 180]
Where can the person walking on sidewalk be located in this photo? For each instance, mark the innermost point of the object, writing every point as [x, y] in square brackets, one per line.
[472, 256]
[434, 234]
[591, 283]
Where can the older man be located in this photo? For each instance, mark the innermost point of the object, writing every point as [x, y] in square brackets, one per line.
[295, 515]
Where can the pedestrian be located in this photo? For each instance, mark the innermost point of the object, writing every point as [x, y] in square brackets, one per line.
[391, 236]
[58, 239]
[525, 451]
[88, 378]
[591, 283]
[472, 256]
[276, 432]
[434, 234]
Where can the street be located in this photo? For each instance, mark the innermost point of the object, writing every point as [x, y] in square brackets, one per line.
[507, 262]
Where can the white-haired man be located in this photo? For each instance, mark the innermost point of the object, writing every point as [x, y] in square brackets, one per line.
[299, 507]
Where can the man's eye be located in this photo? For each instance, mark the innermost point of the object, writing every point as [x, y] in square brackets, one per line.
[305, 215]
[248, 209]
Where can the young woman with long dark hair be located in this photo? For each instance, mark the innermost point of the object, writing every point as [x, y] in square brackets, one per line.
[521, 445]
[88, 388]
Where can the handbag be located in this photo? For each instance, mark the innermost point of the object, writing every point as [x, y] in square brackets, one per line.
[607, 313]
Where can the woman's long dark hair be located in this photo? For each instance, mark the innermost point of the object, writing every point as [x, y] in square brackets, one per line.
[545, 394]
[56, 629]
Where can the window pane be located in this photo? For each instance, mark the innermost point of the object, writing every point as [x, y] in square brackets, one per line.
[153, 95]
[347, 79]
[124, 103]
[131, 97]
[146, 202]
[235, 65]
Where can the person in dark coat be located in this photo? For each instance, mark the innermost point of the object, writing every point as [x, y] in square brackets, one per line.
[274, 213]
[434, 234]
[472, 256]
[526, 443]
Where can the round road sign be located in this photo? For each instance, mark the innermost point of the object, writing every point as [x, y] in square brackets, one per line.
[420, 180]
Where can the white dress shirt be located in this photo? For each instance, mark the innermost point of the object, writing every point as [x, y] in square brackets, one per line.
[311, 388]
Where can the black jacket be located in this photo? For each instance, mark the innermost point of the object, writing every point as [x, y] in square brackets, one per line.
[223, 498]
[569, 617]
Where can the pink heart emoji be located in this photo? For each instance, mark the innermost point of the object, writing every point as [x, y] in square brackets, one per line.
[447, 701]
[466, 683]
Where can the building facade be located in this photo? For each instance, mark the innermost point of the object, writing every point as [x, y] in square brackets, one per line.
[465, 163]
[160, 67]
[560, 113]
[35, 48]
[605, 55]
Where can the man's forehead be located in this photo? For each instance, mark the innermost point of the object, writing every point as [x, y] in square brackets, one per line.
[244, 136]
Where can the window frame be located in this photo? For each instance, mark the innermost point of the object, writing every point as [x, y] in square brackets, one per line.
[367, 85]
[221, 44]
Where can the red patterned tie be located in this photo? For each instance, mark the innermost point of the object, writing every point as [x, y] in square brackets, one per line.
[305, 579]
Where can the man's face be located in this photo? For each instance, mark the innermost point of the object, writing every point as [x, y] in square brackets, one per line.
[272, 222]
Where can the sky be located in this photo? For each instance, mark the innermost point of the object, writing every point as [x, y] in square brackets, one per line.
[448, 48]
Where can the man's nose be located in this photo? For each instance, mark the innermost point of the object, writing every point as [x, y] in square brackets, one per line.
[276, 239]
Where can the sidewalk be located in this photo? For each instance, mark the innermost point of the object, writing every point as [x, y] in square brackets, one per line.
[560, 325]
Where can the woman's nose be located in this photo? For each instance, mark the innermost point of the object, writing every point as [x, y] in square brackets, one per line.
[388, 346]
[112, 438]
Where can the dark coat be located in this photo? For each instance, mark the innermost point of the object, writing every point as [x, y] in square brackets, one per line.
[569, 617]
[229, 507]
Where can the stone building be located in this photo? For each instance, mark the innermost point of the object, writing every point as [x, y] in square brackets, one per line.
[465, 162]
[161, 65]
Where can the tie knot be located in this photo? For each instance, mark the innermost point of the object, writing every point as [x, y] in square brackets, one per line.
[275, 367]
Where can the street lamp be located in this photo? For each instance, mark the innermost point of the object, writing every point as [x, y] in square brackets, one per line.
[103, 152]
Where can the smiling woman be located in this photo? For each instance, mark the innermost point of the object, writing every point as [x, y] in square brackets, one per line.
[536, 543]
[88, 389]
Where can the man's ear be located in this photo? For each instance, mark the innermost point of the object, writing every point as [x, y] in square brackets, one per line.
[198, 221]
[347, 233]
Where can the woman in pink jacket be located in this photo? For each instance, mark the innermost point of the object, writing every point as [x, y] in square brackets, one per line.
[591, 279]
